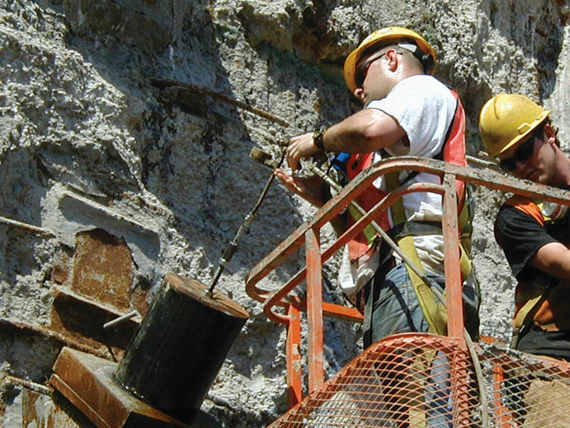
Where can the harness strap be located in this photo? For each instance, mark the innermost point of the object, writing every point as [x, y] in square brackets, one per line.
[416, 228]
[422, 228]
[524, 319]
[435, 314]
[368, 231]
[526, 313]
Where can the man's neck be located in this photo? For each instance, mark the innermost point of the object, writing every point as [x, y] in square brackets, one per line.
[411, 72]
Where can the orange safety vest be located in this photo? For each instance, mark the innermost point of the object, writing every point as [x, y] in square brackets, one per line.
[544, 301]
[453, 152]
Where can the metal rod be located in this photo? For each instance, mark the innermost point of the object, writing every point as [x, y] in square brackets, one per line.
[224, 98]
[120, 319]
[232, 247]
[59, 337]
[452, 256]
[26, 226]
[13, 380]
[314, 310]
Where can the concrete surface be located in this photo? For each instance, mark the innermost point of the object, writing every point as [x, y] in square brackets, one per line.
[88, 140]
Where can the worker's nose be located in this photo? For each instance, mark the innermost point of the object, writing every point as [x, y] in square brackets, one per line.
[521, 168]
[520, 165]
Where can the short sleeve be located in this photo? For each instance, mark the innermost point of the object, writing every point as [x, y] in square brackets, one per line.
[520, 236]
[424, 108]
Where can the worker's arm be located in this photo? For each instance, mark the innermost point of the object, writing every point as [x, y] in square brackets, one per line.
[367, 131]
[554, 259]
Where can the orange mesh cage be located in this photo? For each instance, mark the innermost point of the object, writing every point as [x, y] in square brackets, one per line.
[423, 380]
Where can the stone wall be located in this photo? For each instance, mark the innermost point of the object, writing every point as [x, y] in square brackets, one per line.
[109, 149]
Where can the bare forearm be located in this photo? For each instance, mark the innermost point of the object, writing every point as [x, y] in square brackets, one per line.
[366, 131]
[554, 259]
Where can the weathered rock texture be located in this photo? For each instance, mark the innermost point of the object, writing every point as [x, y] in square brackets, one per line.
[105, 153]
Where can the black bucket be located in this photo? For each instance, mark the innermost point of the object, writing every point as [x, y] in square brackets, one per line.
[180, 346]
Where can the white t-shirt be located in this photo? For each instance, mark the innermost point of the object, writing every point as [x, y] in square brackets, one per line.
[424, 107]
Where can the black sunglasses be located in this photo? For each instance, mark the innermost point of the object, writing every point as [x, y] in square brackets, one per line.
[523, 153]
[362, 68]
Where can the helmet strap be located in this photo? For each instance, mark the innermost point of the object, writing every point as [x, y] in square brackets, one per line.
[425, 59]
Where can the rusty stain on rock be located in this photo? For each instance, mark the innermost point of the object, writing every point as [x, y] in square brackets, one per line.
[60, 273]
[103, 268]
[92, 287]
[82, 319]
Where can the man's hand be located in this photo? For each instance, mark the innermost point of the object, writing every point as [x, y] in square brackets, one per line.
[309, 188]
[300, 147]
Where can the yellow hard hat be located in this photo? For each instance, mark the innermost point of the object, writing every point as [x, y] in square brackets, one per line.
[506, 119]
[384, 37]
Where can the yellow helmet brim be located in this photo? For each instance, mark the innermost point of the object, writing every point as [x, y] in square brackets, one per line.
[382, 37]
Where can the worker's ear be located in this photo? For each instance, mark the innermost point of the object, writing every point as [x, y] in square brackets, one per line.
[549, 134]
[393, 57]
[359, 93]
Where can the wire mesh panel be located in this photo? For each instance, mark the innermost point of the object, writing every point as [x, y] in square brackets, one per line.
[525, 390]
[414, 380]
[423, 380]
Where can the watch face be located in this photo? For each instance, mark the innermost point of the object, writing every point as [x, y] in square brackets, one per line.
[318, 139]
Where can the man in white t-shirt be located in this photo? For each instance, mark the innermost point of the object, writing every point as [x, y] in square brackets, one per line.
[406, 112]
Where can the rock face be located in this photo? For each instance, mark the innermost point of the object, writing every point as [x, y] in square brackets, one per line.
[119, 164]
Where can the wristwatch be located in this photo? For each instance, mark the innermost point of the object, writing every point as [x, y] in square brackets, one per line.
[318, 139]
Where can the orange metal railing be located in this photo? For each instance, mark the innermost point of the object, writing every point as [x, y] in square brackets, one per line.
[420, 380]
[285, 307]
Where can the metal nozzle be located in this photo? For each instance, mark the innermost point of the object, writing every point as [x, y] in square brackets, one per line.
[262, 157]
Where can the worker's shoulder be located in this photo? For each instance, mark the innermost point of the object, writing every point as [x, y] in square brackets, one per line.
[424, 86]
[517, 206]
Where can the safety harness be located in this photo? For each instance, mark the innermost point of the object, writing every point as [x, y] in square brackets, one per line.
[530, 298]
[403, 231]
